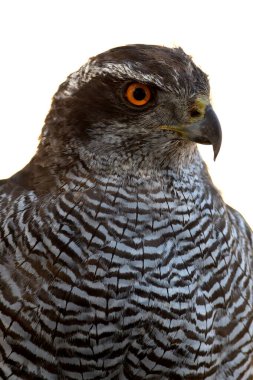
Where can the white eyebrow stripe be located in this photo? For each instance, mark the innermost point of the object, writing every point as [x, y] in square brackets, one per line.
[124, 71]
[119, 70]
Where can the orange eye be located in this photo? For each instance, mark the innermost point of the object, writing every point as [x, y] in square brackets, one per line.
[138, 94]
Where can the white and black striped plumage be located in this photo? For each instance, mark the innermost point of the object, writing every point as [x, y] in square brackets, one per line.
[118, 257]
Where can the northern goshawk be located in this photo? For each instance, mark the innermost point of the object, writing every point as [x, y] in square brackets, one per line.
[118, 257]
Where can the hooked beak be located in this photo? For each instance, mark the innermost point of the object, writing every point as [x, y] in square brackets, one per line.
[205, 130]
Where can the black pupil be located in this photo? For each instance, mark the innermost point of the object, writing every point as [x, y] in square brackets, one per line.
[139, 93]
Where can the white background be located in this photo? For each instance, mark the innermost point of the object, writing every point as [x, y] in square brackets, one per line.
[42, 41]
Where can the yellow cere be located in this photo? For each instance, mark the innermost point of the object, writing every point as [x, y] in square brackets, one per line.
[199, 106]
[197, 109]
[201, 103]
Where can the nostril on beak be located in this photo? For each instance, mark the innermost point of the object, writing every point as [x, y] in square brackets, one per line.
[197, 108]
[194, 112]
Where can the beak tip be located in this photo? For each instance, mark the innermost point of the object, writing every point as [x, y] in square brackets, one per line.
[215, 152]
[216, 147]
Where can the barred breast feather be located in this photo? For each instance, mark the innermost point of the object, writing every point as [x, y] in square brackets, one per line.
[115, 278]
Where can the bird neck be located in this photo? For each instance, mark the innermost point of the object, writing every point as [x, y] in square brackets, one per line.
[141, 160]
[45, 174]
[97, 173]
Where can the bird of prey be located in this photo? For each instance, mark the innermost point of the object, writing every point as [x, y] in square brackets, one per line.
[118, 257]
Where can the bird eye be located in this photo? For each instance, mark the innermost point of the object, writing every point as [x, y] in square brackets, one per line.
[138, 94]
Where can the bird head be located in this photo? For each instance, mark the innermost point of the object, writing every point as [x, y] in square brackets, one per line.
[131, 107]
